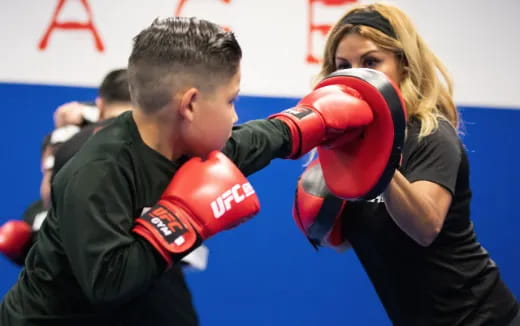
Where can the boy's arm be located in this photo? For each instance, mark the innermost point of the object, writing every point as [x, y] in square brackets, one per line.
[254, 144]
[95, 216]
[330, 114]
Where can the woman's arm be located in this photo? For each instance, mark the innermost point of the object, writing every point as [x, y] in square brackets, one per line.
[420, 193]
[418, 208]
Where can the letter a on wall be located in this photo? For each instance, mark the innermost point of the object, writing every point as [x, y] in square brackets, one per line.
[72, 26]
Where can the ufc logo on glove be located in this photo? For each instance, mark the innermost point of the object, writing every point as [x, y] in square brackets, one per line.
[237, 193]
[167, 224]
[204, 197]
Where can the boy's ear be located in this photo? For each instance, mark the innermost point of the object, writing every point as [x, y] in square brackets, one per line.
[188, 103]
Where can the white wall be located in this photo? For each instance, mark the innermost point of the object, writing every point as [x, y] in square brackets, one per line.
[478, 40]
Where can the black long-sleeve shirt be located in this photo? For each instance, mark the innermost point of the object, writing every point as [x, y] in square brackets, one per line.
[87, 266]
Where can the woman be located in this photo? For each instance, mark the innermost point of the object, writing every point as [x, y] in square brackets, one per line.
[416, 241]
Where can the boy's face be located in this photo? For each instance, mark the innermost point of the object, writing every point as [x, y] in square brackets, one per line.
[214, 117]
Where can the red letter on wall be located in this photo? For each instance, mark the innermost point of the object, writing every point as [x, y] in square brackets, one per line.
[181, 4]
[72, 25]
[322, 29]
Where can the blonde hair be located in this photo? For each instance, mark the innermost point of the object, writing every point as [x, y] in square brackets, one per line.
[425, 85]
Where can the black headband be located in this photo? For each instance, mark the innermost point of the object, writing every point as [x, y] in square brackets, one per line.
[372, 19]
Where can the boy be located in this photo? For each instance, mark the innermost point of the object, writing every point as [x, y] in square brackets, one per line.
[94, 262]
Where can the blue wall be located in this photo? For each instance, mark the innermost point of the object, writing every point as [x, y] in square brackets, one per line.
[265, 272]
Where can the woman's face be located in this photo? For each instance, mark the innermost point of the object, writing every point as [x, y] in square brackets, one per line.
[356, 51]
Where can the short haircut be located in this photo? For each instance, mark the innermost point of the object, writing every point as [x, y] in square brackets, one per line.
[114, 87]
[177, 53]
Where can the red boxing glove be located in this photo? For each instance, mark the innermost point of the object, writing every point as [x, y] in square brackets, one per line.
[15, 237]
[357, 119]
[317, 212]
[204, 197]
[324, 115]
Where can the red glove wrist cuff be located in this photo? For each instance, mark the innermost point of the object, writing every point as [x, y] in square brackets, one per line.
[168, 228]
[143, 232]
[307, 131]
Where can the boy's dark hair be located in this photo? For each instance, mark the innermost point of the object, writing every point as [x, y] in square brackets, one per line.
[179, 52]
[114, 87]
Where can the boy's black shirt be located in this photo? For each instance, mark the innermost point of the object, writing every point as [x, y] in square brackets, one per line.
[87, 266]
